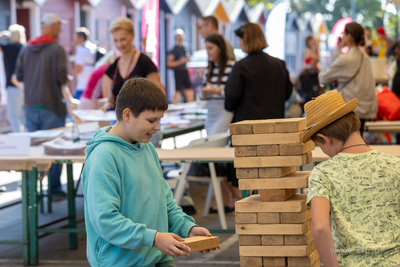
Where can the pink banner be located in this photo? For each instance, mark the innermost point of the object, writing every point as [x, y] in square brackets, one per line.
[150, 29]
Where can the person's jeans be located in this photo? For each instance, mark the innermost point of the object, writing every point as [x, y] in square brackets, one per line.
[15, 107]
[44, 119]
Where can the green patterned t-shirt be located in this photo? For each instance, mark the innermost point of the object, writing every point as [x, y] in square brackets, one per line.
[364, 193]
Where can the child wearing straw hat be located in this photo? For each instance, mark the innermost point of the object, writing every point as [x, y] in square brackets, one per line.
[354, 196]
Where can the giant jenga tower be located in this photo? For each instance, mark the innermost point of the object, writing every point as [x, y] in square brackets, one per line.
[274, 227]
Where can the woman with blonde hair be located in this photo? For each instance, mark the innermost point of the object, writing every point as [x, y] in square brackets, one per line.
[131, 63]
[15, 93]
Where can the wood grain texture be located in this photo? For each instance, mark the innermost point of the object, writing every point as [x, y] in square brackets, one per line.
[267, 150]
[251, 262]
[252, 204]
[292, 181]
[243, 127]
[275, 172]
[268, 217]
[296, 217]
[267, 139]
[290, 125]
[246, 217]
[247, 173]
[296, 149]
[272, 240]
[276, 251]
[250, 240]
[273, 195]
[273, 161]
[303, 261]
[198, 243]
[272, 229]
[274, 262]
[297, 240]
[246, 151]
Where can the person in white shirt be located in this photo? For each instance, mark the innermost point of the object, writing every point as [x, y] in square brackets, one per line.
[85, 57]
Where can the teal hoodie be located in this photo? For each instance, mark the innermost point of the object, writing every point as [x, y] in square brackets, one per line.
[126, 201]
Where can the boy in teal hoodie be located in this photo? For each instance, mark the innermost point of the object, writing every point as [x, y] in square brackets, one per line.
[130, 215]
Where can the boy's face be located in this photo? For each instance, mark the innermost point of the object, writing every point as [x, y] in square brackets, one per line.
[142, 128]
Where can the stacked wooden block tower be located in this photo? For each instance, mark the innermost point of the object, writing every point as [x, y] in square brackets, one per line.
[274, 227]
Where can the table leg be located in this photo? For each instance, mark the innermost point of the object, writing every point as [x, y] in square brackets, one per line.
[33, 218]
[218, 195]
[25, 221]
[180, 188]
[73, 237]
[49, 198]
[41, 196]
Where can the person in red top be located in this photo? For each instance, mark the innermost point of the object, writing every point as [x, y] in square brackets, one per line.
[94, 87]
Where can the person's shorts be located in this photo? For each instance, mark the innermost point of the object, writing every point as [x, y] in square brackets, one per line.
[182, 80]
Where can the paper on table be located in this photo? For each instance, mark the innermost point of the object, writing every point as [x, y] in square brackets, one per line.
[62, 147]
[95, 115]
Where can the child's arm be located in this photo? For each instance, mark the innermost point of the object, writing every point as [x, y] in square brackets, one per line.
[321, 232]
[170, 244]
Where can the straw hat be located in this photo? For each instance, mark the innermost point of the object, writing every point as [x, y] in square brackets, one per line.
[324, 110]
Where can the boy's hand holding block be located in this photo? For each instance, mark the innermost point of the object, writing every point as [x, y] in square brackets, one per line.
[199, 243]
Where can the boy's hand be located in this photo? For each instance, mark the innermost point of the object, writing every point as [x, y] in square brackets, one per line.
[201, 231]
[168, 243]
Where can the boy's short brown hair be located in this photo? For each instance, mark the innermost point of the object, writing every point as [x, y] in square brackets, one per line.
[339, 129]
[140, 94]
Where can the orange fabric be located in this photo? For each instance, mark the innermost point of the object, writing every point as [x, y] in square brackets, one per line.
[388, 105]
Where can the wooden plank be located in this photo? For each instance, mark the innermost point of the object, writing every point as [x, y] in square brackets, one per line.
[296, 149]
[251, 262]
[276, 251]
[268, 217]
[243, 127]
[246, 151]
[273, 161]
[267, 150]
[267, 139]
[296, 217]
[290, 125]
[198, 243]
[293, 181]
[303, 261]
[249, 240]
[274, 262]
[251, 204]
[272, 229]
[272, 240]
[263, 127]
[274, 172]
[317, 263]
[297, 240]
[271, 195]
[247, 173]
[246, 217]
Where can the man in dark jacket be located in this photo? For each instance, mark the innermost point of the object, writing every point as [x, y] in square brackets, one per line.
[42, 67]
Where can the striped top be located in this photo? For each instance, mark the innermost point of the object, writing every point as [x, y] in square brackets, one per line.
[214, 79]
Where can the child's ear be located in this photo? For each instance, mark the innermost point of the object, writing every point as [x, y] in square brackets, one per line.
[327, 139]
[126, 115]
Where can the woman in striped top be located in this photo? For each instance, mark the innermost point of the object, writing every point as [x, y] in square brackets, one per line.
[219, 68]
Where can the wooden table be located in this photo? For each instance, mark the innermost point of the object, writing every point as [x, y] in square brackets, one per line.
[383, 126]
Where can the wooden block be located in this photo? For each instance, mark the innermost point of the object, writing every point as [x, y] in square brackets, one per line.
[272, 229]
[290, 125]
[303, 261]
[274, 172]
[293, 181]
[251, 204]
[249, 240]
[246, 151]
[250, 173]
[251, 262]
[267, 139]
[296, 149]
[317, 263]
[267, 150]
[297, 240]
[272, 195]
[246, 217]
[268, 217]
[273, 161]
[272, 240]
[274, 262]
[243, 127]
[198, 243]
[297, 217]
[263, 127]
[276, 251]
